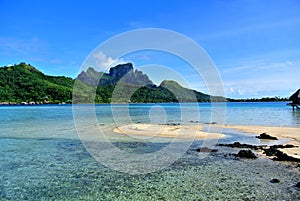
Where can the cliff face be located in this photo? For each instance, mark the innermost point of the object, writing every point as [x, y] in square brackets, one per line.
[120, 70]
[122, 73]
[90, 77]
[125, 74]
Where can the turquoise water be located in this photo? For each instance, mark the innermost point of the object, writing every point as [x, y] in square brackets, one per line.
[266, 114]
[43, 158]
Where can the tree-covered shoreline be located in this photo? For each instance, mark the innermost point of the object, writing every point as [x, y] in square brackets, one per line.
[25, 84]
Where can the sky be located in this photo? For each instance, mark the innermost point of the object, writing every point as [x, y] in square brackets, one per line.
[254, 44]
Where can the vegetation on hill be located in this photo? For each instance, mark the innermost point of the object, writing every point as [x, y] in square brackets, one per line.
[25, 83]
[124, 84]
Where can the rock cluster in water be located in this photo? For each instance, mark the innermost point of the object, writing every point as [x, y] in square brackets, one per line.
[246, 154]
[268, 150]
[206, 149]
[266, 137]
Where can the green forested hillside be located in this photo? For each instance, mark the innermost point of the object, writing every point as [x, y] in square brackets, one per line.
[184, 94]
[24, 83]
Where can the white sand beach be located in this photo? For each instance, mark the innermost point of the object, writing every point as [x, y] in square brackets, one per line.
[170, 131]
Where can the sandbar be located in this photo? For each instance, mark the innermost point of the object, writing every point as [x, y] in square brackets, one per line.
[167, 131]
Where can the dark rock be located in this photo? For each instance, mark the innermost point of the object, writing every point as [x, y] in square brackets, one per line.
[171, 124]
[280, 156]
[239, 145]
[298, 185]
[280, 146]
[234, 145]
[268, 151]
[194, 121]
[274, 181]
[206, 149]
[246, 154]
[266, 137]
[271, 151]
[213, 123]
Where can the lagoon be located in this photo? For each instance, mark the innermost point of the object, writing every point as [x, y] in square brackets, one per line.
[44, 158]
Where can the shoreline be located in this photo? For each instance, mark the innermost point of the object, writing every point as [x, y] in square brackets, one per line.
[292, 134]
[193, 132]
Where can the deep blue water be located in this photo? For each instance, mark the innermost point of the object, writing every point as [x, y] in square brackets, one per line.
[43, 158]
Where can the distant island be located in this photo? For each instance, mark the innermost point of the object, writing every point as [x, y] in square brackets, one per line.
[25, 84]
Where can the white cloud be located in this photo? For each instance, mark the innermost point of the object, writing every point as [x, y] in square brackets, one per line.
[102, 61]
[261, 78]
[260, 87]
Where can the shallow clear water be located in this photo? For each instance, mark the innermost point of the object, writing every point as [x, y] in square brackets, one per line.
[42, 157]
[265, 113]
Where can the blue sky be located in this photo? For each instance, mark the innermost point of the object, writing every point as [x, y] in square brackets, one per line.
[254, 44]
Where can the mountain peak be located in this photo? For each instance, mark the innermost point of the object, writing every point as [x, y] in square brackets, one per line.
[24, 82]
[24, 67]
[166, 83]
[120, 70]
[123, 73]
